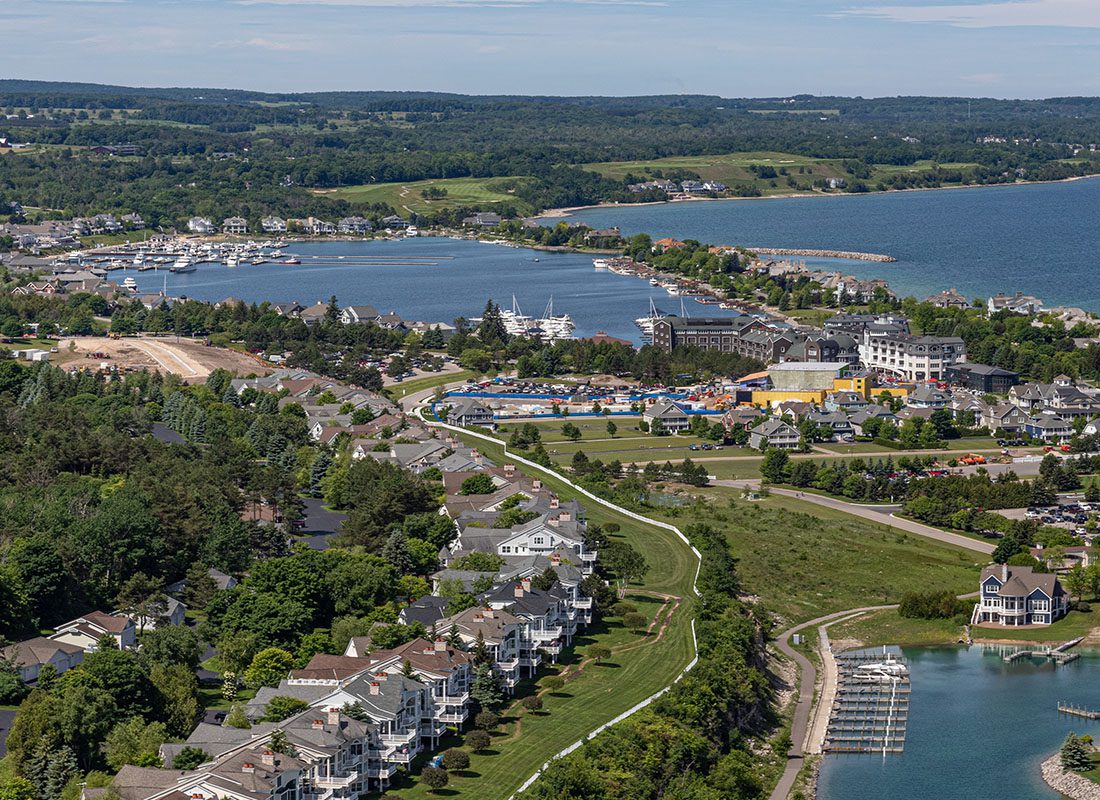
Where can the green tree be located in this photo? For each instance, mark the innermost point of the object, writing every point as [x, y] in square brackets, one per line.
[774, 468]
[487, 688]
[1075, 754]
[282, 707]
[236, 718]
[612, 428]
[434, 778]
[477, 740]
[571, 432]
[598, 653]
[268, 667]
[136, 742]
[455, 759]
[189, 757]
[634, 621]
[479, 483]
[177, 690]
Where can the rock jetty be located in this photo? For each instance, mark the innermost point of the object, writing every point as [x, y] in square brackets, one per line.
[1068, 783]
[853, 256]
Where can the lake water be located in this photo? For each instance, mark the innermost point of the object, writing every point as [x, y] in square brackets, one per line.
[434, 279]
[1042, 239]
[978, 728]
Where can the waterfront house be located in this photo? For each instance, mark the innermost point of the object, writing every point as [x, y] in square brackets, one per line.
[200, 225]
[235, 226]
[314, 314]
[482, 219]
[351, 315]
[950, 298]
[394, 222]
[671, 416]
[1018, 303]
[774, 433]
[1014, 596]
[354, 226]
[273, 225]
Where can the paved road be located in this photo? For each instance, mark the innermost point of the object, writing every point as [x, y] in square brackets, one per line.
[801, 722]
[7, 717]
[882, 514]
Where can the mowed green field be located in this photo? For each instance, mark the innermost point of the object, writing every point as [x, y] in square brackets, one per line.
[640, 665]
[408, 197]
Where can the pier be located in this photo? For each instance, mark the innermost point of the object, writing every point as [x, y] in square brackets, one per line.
[1059, 655]
[870, 712]
[1078, 711]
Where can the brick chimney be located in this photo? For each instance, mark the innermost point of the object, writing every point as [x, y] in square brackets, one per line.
[526, 584]
[554, 502]
[509, 470]
[565, 516]
[519, 590]
[440, 646]
[1004, 572]
[248, 767]
[334, 717]
[476, 456]
[536, 485]
[375, 687]
[318, 724]
[488, 612]
[555, 560]
[268, 758]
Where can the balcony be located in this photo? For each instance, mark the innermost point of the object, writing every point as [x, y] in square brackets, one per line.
[396, 739]
[509, 665]
[383, 773]
[531, 660]
[452, 717]
[583, 603]
[589, 556]
[547, 634]
[552, 648]
[432, 727]
[335, 781]
[400, 755]
[452, 699]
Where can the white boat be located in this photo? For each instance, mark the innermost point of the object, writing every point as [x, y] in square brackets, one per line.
[515, 322]
[551, 327]
[139, 260]
[129, 284]
[231, 260]
[183, 264]
[411, 232]
[654, 282]
[645, 324]
[599, 263]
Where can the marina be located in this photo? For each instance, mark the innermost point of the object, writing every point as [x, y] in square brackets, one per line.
[871, 708]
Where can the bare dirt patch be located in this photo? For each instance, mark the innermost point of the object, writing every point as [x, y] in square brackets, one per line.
[190, 360]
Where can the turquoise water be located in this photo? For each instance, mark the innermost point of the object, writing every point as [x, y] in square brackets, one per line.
[456, 279]
[978, 728]
[1042, 239]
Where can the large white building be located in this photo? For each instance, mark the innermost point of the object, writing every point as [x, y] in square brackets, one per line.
[914, 358]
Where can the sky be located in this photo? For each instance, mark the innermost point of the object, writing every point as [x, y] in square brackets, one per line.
[731, 48]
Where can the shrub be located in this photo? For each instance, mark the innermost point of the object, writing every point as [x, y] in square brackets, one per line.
[932, 605]
[599, 652]
[434, 778]
[622, 609]
[635, 621]
[554, 683]
[532, 703]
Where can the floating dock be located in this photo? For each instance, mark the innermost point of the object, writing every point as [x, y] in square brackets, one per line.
[1059, 654]
[871, 711]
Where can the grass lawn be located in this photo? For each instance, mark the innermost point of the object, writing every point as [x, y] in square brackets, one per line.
[25, 344]
[888, 627]
[1094, 773]
[805, 561]
[640, 666]
[1074, 624]
[591, 428]
[407, 387]
[408, 197]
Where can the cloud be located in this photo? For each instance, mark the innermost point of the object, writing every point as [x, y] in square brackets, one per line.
[281, 44]
[1011, 14]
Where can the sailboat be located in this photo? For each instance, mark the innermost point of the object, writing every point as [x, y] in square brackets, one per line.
[515, 322]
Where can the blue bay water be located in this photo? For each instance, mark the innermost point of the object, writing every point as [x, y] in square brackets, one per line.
[1042, 239]
[463, 276]
[978, 728]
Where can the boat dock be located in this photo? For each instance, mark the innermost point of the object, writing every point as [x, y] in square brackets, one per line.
[871, 710]
[1059, 655]
[1078, 711]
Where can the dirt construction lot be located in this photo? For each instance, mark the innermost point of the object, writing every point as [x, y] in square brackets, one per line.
[190, 360]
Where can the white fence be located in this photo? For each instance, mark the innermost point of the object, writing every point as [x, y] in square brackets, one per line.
[626, 512]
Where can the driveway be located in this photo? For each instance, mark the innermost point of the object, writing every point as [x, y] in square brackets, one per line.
[320, 523]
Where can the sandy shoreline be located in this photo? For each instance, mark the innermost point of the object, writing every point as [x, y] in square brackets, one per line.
[561, 213]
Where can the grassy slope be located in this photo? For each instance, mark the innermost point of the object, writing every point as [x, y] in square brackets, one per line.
[407, 196]
[805, 561]
[601, 692]
[407, 387]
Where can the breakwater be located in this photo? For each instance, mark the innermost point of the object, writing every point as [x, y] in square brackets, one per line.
[848, 254]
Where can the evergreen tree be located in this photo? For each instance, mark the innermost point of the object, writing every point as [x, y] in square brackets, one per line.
[396, 551]
[317, 472]
[1075, 755]
[487, 688]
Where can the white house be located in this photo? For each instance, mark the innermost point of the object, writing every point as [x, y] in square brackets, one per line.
[31, 656]
[86, 631]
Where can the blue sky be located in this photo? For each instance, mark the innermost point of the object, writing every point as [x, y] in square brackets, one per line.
[733, 48]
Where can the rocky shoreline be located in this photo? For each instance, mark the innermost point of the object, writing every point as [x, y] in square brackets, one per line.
[1068, 783]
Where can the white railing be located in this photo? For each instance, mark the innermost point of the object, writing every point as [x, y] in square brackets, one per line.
[628, 513]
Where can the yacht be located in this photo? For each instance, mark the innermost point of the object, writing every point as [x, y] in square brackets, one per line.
[515, 321]
[129, 284]
[231, 260]
[411, 232]
[183, 264]
[551, 327]
[599, 263]
[293, 261]
[671, 288]
[654, 282]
